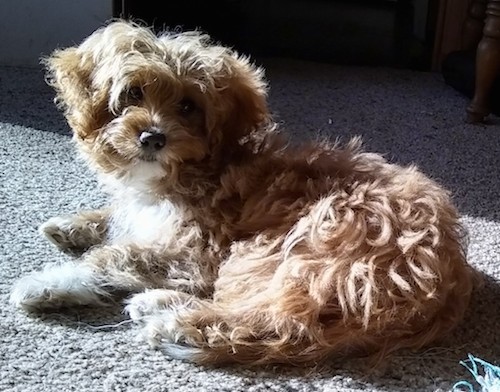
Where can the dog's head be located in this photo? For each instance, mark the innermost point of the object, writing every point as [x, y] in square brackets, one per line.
[136, 99]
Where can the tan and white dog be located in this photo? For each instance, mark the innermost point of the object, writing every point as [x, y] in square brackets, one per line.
[234, 245]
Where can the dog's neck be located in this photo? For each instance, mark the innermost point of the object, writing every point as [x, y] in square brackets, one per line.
[135, 183]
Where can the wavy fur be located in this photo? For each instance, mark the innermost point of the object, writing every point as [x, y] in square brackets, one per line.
[240, 247]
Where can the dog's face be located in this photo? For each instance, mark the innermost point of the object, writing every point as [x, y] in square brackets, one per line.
[134, 99]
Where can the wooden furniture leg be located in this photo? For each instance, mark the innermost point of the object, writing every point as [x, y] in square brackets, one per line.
[474, 23]
[487, 64]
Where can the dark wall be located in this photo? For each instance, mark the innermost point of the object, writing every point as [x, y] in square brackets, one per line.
[371, 32]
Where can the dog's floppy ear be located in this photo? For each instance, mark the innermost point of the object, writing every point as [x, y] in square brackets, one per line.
[241, 100]
[69, 72]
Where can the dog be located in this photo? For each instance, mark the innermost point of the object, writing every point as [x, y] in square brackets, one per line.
[233, 244]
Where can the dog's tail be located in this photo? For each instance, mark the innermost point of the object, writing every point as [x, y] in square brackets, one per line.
[256, 353]
[352, 344]
[218, 345]
[250, 333]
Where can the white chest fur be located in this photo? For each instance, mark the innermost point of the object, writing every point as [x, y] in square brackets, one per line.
[136, 215]
[135, 220]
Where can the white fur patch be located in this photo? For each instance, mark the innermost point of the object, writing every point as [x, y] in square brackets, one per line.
[142, 173]
[137, 220]
[57, 285]
[137, 180]
[137, 215]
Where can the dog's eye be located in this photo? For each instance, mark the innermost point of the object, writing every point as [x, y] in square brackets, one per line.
[186, 106]
[134, 93]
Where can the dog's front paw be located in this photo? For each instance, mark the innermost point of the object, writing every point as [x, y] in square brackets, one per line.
[71, 233]
[61, 232]
[31, 294]
[57, 286]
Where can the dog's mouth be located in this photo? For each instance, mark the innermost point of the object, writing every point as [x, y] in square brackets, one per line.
[148, 157]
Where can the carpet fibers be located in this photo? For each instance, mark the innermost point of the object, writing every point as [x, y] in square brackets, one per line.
[409, 116]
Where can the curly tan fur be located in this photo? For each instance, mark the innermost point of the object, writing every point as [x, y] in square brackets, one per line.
[240, 247]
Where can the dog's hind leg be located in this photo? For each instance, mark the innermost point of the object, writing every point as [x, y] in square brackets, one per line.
[106, 270]
[253, 316]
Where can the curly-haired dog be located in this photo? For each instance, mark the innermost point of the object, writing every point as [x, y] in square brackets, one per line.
[237, 246]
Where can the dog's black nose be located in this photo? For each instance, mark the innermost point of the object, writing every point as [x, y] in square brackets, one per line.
[152, 141]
